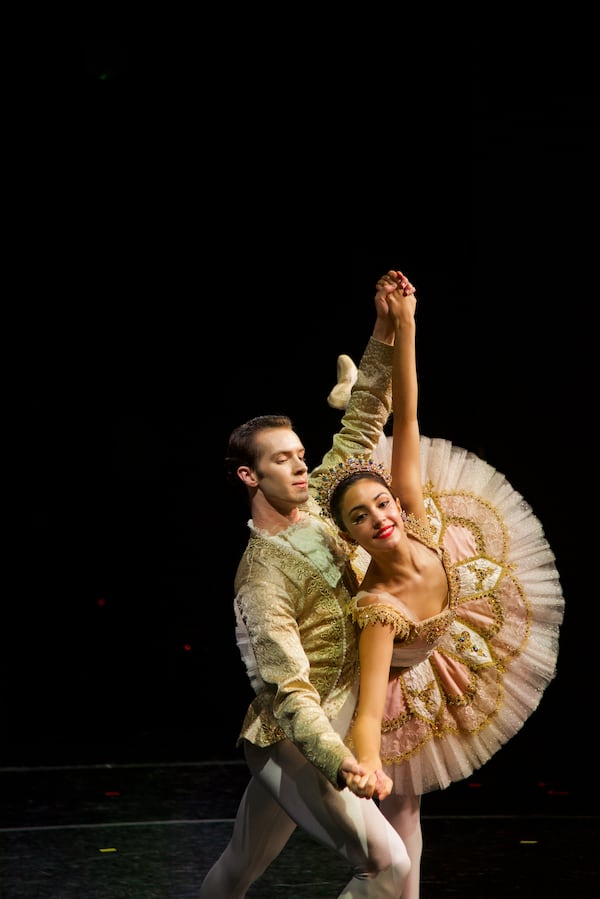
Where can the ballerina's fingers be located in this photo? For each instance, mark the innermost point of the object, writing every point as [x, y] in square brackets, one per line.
[404, 283]
[363, 785]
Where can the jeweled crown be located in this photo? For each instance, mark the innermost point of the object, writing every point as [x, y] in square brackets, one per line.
[331, 478]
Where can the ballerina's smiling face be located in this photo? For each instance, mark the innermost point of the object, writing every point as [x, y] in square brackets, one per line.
[365, 510]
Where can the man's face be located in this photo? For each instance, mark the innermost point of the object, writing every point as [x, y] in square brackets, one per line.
[281, 472]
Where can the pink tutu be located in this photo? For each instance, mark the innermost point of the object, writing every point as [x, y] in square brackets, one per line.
[448, 713]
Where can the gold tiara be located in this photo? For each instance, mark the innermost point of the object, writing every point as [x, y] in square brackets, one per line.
[330, 479]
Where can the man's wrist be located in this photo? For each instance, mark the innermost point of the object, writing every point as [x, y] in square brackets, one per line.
[383, 332]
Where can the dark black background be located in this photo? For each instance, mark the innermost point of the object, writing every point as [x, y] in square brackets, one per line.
[196, 244]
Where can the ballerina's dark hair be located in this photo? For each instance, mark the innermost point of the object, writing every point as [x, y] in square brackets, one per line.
[337, 480]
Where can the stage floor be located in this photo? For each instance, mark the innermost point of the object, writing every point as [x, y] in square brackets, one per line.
[151, 831]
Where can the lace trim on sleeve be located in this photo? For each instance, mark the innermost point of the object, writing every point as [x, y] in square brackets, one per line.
[377, 613]
[247, 653]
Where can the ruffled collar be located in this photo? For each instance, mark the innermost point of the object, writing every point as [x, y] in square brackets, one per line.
[309, 537]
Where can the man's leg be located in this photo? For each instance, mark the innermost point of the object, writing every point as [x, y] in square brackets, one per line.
[261, 830]
[352, 827]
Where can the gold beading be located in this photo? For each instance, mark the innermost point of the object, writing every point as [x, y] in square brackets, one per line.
[332, 478]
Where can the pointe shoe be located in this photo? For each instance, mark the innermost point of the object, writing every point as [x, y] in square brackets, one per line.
[346, 379]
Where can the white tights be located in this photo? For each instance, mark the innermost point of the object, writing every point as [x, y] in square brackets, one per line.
[404, 814]
[286, 791]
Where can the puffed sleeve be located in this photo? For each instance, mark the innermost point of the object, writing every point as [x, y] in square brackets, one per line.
[379, 613]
